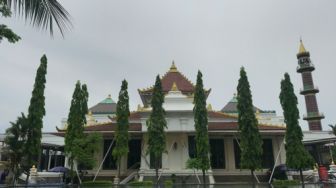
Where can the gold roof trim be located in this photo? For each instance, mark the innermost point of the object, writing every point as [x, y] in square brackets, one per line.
[174, 87]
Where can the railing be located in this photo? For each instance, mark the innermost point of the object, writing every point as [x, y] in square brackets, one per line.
[305, 66]
[313, 115]
[131, 175]
[309, 88]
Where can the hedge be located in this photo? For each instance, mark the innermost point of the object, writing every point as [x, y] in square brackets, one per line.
[97, 184]
[141, 183]
[285, 183]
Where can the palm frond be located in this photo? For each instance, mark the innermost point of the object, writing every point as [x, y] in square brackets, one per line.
[42, 14]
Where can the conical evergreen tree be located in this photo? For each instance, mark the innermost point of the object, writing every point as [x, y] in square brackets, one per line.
[250, 139]
[121, 147]
[297, 156]
[76, 122]
[201, 126]
[36, 112]
[80, 147]
[156, 124]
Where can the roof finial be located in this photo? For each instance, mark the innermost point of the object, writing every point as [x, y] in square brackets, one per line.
[174, 87]
[257, 114]
[302, 49]
[234, 98]
[139, 107]
[173, 67]
[209, 107]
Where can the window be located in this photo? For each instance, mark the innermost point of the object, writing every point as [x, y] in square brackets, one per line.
[192, 147]
[236, 153]
[134, 154]
[109, 163]
[267, 156]
[217, 153]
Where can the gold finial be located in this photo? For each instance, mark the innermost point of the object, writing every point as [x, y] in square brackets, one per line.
[173, 67]
[257, 114]
[90, 119]
[209, 107]
[302, 49]
[174, 87]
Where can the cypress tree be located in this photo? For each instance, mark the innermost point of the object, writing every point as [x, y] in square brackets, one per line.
[121, 147]
[75, 123]
[201, 126]
[297, 156]
[36, 112]
[250, 139]
[80, 147]
[156, 124]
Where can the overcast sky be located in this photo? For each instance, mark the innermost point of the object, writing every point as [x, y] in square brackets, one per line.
[136, 40]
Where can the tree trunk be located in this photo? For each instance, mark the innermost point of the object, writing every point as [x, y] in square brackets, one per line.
[203, 172]
[14, 176]
[252, 176]
[301, 176]
[27, 178]
[71, 171]
[118, 176]
[157, 175]
[157, 171]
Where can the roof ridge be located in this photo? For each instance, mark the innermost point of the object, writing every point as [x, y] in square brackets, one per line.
[164, 76]
[226, 114]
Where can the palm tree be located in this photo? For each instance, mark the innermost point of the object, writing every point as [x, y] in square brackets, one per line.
[42, 13]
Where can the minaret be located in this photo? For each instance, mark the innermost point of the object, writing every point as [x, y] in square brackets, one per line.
[306, 68]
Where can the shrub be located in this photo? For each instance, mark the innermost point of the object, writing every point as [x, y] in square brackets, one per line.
[141, 183]
[285, 183]
[168, 183]
[97, 184]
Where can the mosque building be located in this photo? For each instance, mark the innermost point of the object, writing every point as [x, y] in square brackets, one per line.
[180, 132]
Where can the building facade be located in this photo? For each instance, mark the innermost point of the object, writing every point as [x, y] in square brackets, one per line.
[180, 143]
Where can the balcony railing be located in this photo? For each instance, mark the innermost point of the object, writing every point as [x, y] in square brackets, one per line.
[306, 66]
[313, 115]
[309, 89]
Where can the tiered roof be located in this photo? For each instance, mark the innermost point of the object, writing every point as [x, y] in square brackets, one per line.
[225, 120]
[167, 81]
[231, 106]
[107, 106]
